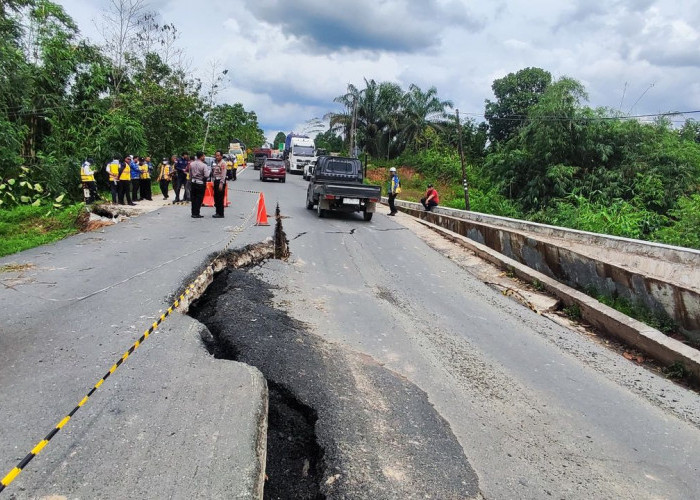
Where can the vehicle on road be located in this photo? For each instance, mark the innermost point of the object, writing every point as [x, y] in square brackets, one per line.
[299, 150]
[258, 160]
[236, 150]
[259, 155]
[336, 185]
[273, 168]
[309, 169]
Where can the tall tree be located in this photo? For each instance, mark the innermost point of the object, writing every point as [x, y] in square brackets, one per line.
[515, 94]
[229, 122]
[280, 138]
[420, 111]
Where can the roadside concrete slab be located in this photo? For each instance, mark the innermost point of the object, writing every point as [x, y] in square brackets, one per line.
[172, 420]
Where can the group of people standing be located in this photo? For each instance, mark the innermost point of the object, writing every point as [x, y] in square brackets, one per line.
[200, 173]
[130, 180]
[178, 170]
[430, 200]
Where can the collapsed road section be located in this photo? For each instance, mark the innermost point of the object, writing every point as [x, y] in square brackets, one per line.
[341, 425]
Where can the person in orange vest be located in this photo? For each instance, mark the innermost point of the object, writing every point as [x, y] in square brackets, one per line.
[87, 176]
[125, 181]
[164, 177]
[431, 198]
[113, 173]
[145, 179]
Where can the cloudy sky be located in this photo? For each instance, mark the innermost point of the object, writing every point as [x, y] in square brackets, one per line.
[288, 59]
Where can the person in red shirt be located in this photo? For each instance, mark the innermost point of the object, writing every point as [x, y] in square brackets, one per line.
[431, 198]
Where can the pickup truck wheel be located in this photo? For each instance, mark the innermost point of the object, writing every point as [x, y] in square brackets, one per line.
[367, 215]
[321, 212]
[309, 204]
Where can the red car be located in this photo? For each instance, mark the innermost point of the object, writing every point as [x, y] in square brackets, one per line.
[273, 168]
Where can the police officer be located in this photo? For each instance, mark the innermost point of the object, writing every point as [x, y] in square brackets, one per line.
[135, 178]
[218, 174]
[180, 178]
[199, 173]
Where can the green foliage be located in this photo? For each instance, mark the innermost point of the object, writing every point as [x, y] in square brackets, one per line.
[329, 141]
[121, 134]
[280, 138]
[655, 319]
[63, 99]
[619, 217]
[22, 190]
[573, 311]
[388, 121]
[684, 227]
[676, 371]
[27, 226]
[515, 94]
[228, 122]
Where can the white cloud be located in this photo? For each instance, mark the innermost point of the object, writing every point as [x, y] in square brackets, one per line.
[289, 59]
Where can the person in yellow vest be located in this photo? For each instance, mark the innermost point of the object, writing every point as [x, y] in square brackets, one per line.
[87, 177]
[113, 173]
[125, 181]
[145, 180]
[166, 171]
[231, 168]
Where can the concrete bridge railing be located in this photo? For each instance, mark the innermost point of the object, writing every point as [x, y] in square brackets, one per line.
[662, 278]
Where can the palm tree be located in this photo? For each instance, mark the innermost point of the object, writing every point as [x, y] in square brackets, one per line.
[420, 110]
[341, 123]
[379, 105]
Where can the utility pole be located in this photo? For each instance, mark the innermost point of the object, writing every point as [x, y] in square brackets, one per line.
[465, 182]
[352, 129]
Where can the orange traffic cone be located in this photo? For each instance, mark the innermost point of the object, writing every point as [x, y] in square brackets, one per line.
[226, 202]
[209, 195]
[261, 219]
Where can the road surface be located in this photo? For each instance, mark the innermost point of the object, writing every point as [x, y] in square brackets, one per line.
[376, 337]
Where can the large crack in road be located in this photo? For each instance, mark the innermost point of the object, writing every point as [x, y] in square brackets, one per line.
[341, 425]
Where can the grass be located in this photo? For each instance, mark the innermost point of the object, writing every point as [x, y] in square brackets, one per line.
[23, 227]
[659, 320]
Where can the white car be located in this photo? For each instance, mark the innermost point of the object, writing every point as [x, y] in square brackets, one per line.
[309, 169]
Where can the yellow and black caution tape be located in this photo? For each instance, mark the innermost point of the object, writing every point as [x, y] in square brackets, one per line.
[5, 481]
[243, 191]
[10, 476]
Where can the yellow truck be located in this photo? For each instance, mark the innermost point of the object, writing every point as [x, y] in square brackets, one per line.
[235, 149]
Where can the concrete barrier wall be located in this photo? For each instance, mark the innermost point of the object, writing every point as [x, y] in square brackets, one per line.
[662, 278]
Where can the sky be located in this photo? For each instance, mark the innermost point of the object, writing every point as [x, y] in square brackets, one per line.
[288, 60]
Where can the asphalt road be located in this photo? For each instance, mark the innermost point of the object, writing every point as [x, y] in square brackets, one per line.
[537, 410]
[161, 425]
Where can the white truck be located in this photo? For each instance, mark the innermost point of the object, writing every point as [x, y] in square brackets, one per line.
[299, 152]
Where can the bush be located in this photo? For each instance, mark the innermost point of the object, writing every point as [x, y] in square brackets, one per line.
[684, 227]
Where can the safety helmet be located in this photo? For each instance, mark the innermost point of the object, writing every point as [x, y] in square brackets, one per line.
[392, 169]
